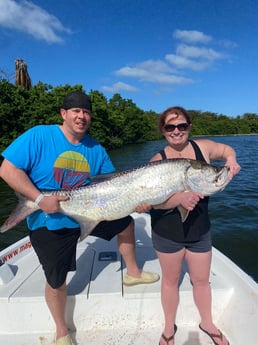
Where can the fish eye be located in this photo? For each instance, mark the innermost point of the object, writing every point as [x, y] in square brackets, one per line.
[217, 169]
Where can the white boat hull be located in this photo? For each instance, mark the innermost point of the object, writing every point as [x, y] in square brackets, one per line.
[101, 310]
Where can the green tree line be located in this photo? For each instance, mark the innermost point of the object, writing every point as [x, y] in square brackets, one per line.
[115, 122]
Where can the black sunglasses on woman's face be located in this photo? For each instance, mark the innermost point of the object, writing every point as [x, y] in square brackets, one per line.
[181, 127]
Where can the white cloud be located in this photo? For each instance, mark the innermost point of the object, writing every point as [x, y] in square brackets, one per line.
[191, 36]
[182, 62]
[119, 86]
[198, 52]
[190, 54]
[154, 72]
[31, 19]
[193, 57]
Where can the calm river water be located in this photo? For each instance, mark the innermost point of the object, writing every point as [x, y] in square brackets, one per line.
[234, 212]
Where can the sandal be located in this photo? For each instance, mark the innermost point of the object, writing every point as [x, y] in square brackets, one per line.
[167, 340]
[212, 335]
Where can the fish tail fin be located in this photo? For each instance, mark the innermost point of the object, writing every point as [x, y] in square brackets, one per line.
[21, 211]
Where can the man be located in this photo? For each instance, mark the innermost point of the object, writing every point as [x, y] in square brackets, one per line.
[50, 157]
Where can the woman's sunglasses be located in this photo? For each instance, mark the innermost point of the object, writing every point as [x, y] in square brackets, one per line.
[181, 127]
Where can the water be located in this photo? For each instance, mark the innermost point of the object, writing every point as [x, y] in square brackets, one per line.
[233, 212]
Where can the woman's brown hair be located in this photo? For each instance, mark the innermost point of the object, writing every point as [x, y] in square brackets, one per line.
[173, 110]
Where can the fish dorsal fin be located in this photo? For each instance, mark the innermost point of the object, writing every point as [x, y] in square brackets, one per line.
[101, 178]
[183, 212]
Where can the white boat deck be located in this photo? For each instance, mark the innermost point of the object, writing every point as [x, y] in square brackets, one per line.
[101, 310]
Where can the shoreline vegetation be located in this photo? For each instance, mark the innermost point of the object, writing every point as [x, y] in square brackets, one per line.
[116, 122]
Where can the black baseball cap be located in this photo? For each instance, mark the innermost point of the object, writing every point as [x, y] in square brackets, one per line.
[77, 99]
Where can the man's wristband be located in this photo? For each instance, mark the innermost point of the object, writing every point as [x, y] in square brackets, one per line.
[39, 198]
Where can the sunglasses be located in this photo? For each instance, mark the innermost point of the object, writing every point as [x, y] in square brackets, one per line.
[181, 127]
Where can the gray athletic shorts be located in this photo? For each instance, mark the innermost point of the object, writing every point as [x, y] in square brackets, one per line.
[165, 245]
[56, 249]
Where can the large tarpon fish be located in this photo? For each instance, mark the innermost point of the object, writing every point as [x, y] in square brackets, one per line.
[119, 195]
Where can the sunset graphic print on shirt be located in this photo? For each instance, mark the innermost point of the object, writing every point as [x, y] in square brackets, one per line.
[71, 170]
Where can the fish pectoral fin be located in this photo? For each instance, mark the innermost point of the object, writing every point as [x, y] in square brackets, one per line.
[86, 225]
[183, 212]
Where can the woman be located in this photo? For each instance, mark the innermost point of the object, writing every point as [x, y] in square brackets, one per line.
[175, 241]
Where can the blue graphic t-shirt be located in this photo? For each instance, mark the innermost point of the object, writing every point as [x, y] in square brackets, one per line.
[53, 163]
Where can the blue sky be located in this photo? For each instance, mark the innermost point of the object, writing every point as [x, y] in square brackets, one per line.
[201, 55]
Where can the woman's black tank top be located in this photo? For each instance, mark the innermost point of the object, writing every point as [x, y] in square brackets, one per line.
[170, 226]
